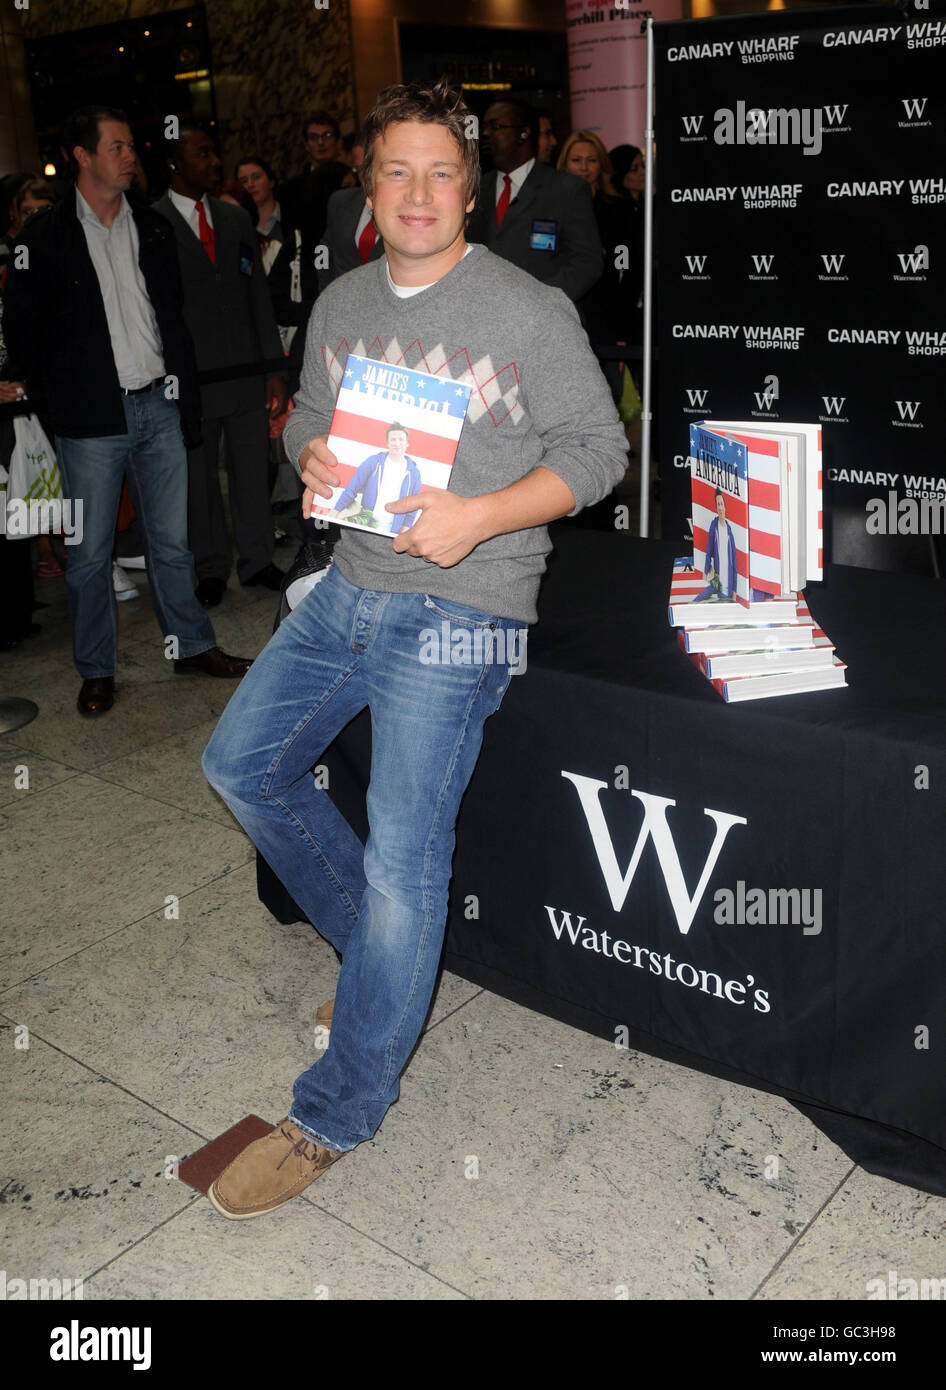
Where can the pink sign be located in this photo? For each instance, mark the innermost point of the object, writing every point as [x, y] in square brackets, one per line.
[607, 66]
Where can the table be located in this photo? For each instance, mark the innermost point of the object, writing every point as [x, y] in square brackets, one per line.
[617, 799]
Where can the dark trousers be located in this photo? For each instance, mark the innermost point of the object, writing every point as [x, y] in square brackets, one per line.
[246, 452]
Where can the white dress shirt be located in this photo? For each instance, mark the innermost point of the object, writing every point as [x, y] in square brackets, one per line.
[132, 326]
[517, 178]
[187, 207]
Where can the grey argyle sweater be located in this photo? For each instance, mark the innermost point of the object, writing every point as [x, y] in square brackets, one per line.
[538, 397]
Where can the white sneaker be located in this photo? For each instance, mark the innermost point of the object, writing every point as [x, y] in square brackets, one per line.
[122, 585]
[132, 562]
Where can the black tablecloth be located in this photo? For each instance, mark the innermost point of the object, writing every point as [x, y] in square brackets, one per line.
[836, 792]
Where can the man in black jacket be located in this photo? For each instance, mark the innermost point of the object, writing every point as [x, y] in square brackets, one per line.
[93, 314]
[229, 312]
[538, 218]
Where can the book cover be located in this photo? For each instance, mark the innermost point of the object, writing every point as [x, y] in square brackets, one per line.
[691, 606]
[802, 482]
[395, 433]
[719, 493]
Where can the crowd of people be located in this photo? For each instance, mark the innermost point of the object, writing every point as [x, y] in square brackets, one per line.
[253, 252]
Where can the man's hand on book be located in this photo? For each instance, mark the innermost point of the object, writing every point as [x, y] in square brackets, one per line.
[317, 465]
[448, 528]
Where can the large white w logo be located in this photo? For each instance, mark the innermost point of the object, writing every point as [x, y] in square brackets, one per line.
[655, 827]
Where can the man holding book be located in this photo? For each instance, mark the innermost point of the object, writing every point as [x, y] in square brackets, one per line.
[720, 555]
[382, 478]
[541, 439]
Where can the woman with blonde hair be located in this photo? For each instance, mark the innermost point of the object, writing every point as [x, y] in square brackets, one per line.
[584, 154]
[608, 309]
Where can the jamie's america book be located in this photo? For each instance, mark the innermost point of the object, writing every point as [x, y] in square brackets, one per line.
[395, 433]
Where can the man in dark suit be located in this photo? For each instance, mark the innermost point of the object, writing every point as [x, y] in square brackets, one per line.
[304, 199]
[530, 214]
[350, 235]
[94, 317]
[230, 315]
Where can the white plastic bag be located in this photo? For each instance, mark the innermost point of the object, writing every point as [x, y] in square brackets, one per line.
[34, 472]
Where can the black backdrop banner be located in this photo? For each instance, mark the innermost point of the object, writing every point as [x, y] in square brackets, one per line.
[799, 213]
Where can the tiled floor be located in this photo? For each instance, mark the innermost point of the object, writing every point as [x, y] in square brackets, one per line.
[524, 1159]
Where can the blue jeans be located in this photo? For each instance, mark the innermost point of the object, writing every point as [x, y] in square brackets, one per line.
[153, 455]
[383, 905]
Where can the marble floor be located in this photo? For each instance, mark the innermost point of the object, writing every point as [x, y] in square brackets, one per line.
[524, 1160]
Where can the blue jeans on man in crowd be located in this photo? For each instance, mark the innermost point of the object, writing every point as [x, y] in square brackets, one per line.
[383, 905]
[153, 455]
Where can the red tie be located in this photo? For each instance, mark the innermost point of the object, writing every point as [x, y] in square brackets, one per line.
[205, 232]
[502, 207]
[367, 240]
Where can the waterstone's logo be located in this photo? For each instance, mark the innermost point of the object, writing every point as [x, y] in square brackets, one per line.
[692, 128]
[696, 268]
[833, 406]
[655, 829]
[833, 120]
[763, 267]
[833, 263]
[907, 412]
[914, 108]
[913, 263]
[697, 396]
[766, 398]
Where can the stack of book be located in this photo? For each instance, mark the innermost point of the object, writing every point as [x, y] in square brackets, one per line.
[757, 540]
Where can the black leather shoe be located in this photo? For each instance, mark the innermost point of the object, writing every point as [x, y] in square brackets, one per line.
[213, 662]
[96, 696]
[271, 577]
[210, 591]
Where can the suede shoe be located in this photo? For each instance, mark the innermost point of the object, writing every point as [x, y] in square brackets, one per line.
[323, 1024]
[213, 662]
[269, 1172]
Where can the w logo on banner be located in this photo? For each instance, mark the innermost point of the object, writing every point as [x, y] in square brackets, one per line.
[697, 396]
[655, 827]
[763, 264]
[914, 107]
[908, 409]
[833, 264]
[834, 115]
[833, 404]
[913, 261]
[695, 264]
[692, 124]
